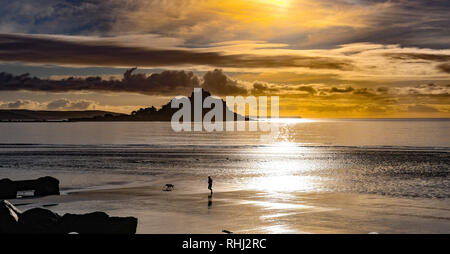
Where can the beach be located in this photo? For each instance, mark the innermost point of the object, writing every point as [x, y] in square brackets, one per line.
[315, 177]
[255, 212]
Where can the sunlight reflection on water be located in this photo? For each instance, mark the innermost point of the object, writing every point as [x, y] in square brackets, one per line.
[285, 183]
[284, 174]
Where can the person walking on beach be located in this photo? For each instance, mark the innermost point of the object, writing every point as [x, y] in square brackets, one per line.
[210, 182]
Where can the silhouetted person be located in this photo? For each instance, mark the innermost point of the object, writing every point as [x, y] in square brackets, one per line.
[210, 182]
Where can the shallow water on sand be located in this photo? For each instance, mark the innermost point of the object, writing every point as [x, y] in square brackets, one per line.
[311, 176]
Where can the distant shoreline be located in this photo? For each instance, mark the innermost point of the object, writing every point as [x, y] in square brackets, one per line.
[250, 119]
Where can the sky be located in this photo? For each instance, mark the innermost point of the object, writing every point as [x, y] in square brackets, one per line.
[337, 59]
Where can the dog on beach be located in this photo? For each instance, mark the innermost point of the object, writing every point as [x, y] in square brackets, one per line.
[169, 187]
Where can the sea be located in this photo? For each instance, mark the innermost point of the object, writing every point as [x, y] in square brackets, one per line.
[393, 158]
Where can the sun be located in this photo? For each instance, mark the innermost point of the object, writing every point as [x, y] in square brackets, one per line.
[278, 3]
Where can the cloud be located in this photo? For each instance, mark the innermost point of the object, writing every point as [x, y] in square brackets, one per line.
[56, 16]
[219, 84]
[444, 67]
[260, 89]
[174, 83]
[308, 89]
[303, 22]
[420, 56]
[300, 23]
[64, 104]
[54, 50]
[332, 108]
[83, 104]
[429, 89]
[424, 100]
[422, 108]
[58, 104]
[164, 83]
[359, 63]
[383, 89]
[341, 90]
[18, 104]
[364, 91]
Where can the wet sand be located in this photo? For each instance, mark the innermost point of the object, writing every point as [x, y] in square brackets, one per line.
[241, 211]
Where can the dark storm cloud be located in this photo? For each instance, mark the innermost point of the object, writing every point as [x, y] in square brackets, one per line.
[408, 22]
[218, 83]
[61, 16]
[164, 83]
[32, 49]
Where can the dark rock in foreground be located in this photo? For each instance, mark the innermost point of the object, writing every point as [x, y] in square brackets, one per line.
[43, 186]
[8, 188]
[43, 221]
[38, 221]
[97, 223]
[9, 218]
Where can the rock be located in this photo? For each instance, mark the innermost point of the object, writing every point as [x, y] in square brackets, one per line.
[97, 223]
[45, 186]
[7, 189]
[123, 225]
[9, 218]
[38, 221]
[43, 221]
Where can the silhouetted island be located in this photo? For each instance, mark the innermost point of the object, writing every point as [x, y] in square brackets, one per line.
[162, 115]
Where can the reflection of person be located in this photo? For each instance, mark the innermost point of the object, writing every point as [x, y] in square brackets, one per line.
[209, 201]
[210, 182]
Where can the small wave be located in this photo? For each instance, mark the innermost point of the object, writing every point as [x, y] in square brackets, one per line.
[225, 146]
